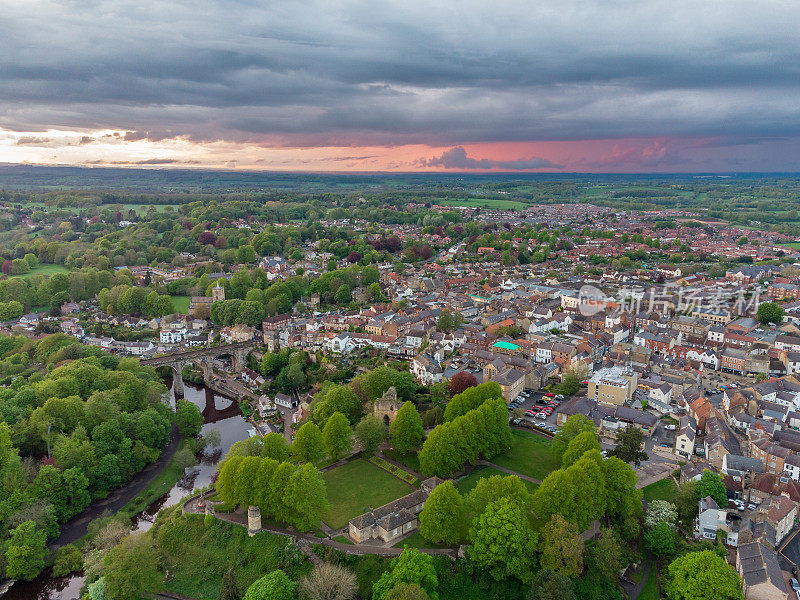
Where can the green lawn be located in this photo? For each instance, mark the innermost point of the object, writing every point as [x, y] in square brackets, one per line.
[415, 540]
[357, 486]
[664, 489]
[44, 270]
[530, 455]
[409, 459]
[466, 483]
[181, 304]
[650, 589]
[792, 245]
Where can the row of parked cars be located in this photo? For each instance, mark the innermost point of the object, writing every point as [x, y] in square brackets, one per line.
[741, 505]
[722, 388]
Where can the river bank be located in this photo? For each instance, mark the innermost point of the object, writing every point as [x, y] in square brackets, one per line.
[220, 413]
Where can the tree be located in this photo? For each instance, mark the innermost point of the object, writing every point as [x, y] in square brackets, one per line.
[370, 433]
[769, 312]
[578, 446]
[460, 382]
[711, 484]
[660, 511]
[308, 445]
[406, 591]
[410, 567]
[329, 582]
[577, 492]
[562, 547]
[629, 446]
[502, 541]
[68, 560]
[448, 321]
[443, 519]
[471, 398]
[605, 556]
[188, 418]
[229, 590]
[275, 586]
[491, 488]
[661, 540]
[131, 569]
[702, 575]
[337, 436]
[25, 551]
[573, 426]
[274, 446]
[549, 585]
[406, 430]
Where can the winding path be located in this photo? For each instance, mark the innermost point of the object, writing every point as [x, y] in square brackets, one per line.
[77, 526]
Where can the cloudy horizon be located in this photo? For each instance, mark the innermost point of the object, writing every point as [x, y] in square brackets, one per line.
[559, 86]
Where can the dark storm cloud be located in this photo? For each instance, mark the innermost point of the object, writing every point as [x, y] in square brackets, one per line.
[358, 72]
[456, 158]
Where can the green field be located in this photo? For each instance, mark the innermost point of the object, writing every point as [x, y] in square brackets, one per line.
[792, 245]
[466, 483]
[530, 454]
[44, 270]
[664, 489]
[355, 487]
[485, 202]
[181, 304]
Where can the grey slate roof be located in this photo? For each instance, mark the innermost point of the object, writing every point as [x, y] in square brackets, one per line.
[759, 564]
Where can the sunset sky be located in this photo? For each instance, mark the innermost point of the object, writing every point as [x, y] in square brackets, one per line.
[534, 86]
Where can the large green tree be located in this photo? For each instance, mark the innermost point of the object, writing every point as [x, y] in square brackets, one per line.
[578, 446]
[411, 567]
[25, 551]
[131, 569]
[275, 586]
[406, 430]
[502, 541]
[629, 446]
[443, 519]
[188, 418]
[702, 575]
[562, 547]
[769, 312]
[308, 445]
[549, 585]
[337, 436]
[711, 484]
[370, 433]
[572, 427]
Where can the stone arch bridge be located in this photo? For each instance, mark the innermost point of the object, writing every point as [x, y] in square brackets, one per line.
[203, 358]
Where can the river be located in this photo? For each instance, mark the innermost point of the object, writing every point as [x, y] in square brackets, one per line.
[220, 413]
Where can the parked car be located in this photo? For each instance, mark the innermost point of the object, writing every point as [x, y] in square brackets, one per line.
[550, 395]
[795, 584]
[752, 506]
[670, 427]
[530, 413]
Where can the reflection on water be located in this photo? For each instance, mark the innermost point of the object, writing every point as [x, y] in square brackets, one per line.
[220, 413]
